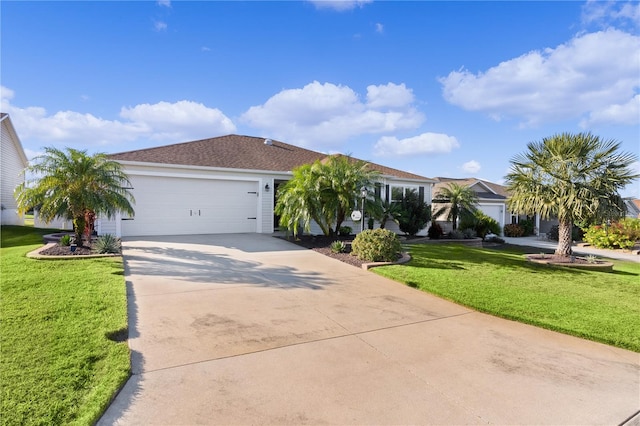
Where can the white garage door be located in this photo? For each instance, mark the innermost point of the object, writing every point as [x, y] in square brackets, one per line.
[181, 206]
[492, 211]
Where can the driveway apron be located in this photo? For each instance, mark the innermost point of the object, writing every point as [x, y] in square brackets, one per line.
[250, 329]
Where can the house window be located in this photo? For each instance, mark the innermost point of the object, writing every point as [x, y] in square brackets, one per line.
[398, 192]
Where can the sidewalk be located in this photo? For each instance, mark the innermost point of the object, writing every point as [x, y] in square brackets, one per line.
[535, 241]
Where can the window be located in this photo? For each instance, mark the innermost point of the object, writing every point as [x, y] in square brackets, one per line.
[398, 192]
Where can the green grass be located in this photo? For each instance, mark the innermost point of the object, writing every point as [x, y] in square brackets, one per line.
[593, 305]
[57, 364]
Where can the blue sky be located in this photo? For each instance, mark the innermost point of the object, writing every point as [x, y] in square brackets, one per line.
[451, 89]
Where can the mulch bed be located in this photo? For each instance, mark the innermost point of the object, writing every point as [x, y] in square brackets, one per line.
[59, 250]
[322, 245]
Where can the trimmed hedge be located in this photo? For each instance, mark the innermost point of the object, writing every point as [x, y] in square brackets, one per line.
[376, 245]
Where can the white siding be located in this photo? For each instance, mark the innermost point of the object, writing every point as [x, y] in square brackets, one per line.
[12, 162]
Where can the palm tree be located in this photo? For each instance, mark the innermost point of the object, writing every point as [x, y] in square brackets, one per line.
[322, 192]
[458, 200]
[575, 177]
[71, 184]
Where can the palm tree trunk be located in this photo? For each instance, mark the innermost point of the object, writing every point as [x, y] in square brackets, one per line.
[564, 238]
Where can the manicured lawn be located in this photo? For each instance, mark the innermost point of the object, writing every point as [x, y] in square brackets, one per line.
[598, 306]
[57, 363]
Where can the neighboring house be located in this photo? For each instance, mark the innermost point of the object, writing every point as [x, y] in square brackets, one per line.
[13, 161]
[225, 184]
[633, 208]
[492, 199]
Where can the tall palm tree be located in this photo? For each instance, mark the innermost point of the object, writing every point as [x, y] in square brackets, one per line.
[71, 184]
[575, 177]
[456, 200]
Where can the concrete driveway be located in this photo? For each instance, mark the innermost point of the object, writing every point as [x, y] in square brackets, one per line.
[249, 329]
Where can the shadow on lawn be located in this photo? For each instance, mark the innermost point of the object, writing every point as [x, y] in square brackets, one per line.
[456, 256]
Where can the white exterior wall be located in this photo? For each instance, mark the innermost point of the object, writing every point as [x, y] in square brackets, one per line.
[12, 163]
[57, 223]
[264, 205]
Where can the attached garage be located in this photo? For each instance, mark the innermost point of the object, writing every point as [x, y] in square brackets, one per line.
[182, 206]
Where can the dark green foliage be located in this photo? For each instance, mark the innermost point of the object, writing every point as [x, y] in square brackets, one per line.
[65, 240]
[481, 223]
[414, 214]
[344, 230]
[435, 232]
[513, 230]
[376, 245]
[527, 225]
[576, 233]
[107, 244]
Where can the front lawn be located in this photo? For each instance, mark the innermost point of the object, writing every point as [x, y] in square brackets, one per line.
[58, 364]
[598, 306]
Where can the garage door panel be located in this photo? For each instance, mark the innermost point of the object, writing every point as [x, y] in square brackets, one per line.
[177, 206]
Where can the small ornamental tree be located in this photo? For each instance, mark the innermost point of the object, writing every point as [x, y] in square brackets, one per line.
[454, 201]
[414, 214]
[74, 185]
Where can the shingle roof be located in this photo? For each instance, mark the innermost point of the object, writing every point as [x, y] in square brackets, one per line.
[500, 192]
[239, 152]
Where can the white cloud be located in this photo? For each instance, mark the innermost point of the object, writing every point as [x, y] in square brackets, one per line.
[160, 26]
[628, 113]
[471, 167]
[339, 5]
[171, 122]
[389, 95]
[379, 28]
[590, 73]
[606, 13]
[426, 143]
[165, 3]
[175, 121]
[328, 114]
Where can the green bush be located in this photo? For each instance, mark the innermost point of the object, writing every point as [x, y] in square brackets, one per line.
[65, 240]
[481, 223]
[414, 214]
[376, 245]
[435, 232]
[622, 234]
[338, 247]
[107, 244]
[344, 231]
[527, 225]
[456, 234]
[469, 233]
[513, 230]
[577, 234]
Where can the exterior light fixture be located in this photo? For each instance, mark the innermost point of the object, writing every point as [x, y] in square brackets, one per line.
[266, 188]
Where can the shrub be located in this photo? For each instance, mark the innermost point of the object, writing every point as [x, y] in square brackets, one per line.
[469, 233]
[344, 231]
[481, 223]
[435, 232]
[107, 244]
[456, 234]
[338, 247]
[513, 230]
[577, 234]
[414, 214]
[376, 245]
[527, 225]
[65, 240]
[622, 234]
